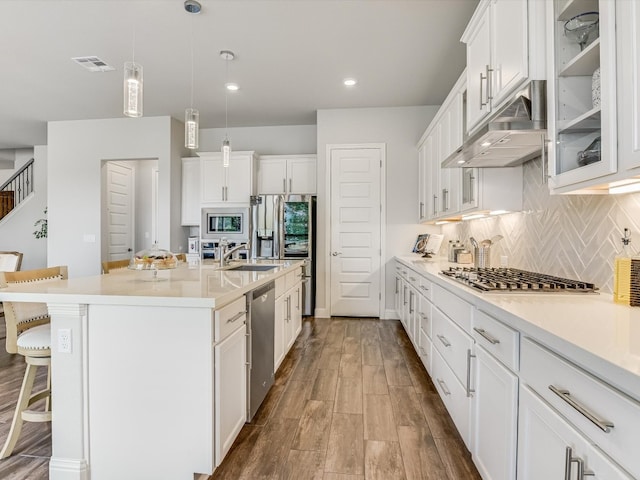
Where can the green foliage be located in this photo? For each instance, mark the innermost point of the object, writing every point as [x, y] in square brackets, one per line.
[42, 227]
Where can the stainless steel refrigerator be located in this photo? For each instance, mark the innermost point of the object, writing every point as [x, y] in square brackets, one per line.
[283, 226]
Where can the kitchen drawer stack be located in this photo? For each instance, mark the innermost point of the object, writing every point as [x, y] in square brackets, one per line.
[522, 410]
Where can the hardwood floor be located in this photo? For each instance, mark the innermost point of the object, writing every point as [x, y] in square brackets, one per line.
[351, 401]
[30, 458]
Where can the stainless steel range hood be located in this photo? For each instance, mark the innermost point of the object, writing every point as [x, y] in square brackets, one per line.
[511, 136]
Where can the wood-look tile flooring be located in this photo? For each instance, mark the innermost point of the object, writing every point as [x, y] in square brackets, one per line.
[351, 401]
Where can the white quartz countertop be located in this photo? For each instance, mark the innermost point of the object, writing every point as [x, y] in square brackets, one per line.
[185, 286]
[589, 329]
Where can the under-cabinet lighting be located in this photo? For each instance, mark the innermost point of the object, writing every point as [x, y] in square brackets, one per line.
[485, 144]
[498, 212]
[442, 222]
[461, 162]
[628, 188]
[473, 216]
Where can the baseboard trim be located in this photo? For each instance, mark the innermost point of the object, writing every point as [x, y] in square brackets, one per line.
[390, 314]
[68, 469]
[321, 313]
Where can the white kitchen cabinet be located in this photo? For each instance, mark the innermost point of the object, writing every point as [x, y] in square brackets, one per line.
[497, 39]
[287, 174]
[574, 119]
[191, 191]
[424, 186]
[230, 389]
[494, 418]
[628, 64]
[231, 185]
[288, 314]
[549, 447]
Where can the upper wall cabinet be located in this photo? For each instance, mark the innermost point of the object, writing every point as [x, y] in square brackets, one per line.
[581, 92]
[227, 185]
[628, 48]
[504, 39]
[282, 174]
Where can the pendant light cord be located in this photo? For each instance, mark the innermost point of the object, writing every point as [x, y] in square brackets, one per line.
[226, 99]
[191, 61]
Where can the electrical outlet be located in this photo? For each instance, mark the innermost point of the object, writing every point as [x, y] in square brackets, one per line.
[64, 340]
[504, 261]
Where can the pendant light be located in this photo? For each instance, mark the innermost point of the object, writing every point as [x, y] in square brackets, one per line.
[133, 84]
[227, 56]
[191, 115]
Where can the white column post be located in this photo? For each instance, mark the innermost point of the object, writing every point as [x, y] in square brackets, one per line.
[69, 387]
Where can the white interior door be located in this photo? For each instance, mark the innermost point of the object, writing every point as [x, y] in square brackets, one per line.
[119, 211]
[355, 248]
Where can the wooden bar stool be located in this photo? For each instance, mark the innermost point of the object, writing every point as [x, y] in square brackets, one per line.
[114, 264]
[29, 334]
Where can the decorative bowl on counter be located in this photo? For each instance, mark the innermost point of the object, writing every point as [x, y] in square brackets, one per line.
[153, 258]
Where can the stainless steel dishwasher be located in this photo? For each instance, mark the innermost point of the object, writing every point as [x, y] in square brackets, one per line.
[260, 345]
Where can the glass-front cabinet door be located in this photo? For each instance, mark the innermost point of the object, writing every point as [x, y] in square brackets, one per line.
[581, 92]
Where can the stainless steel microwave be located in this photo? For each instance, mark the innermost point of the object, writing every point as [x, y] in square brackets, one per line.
[230, 223]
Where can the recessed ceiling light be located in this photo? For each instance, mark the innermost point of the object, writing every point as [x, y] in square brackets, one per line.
[350, 82]
[232, 86]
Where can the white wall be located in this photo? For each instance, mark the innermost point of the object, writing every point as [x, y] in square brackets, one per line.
[400, 128]
[16, 229]
[276, 140]
[76, 151]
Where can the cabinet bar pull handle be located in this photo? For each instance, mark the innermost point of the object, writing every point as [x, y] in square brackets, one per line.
[490, 338]
[413, 279]
[435, 206]
[236, 317]
[568, 460]
[397, 281]
[469, 357]
[565, 395]
[290, 185]
[489, 87]
[284, 185]
[410, 302]
[421, 210]
[443, 386]
[482, 77]
[424, 288]
[444, 340]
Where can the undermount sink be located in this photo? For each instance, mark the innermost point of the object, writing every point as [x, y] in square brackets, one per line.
[252, 267]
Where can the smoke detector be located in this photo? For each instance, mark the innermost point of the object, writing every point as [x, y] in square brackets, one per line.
[192, 6]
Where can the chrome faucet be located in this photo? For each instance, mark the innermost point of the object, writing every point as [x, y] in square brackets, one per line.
[225, 254]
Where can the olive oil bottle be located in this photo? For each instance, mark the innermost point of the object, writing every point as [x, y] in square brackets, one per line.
[622, 272]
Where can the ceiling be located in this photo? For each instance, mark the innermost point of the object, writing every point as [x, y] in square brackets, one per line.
[291, 58]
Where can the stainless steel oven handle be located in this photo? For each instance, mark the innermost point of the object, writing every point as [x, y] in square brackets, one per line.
[490, 338]
[565, 395]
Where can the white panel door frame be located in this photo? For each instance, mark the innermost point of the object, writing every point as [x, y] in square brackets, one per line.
[383, 219]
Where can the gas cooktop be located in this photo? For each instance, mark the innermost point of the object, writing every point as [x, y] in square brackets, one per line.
[505, 280]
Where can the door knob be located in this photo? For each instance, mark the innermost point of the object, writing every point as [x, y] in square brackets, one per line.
[335, 254]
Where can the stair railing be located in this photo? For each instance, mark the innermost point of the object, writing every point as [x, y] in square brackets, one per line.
[15, 190]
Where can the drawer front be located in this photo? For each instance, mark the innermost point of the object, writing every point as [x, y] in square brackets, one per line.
[414, 279]
[455, 308]
[587, 402]
[424, 350]
[424, 315]
[229, 317]
[453, 344]
[425, 288]
[453, 395]
[501, 341]
[402, 270]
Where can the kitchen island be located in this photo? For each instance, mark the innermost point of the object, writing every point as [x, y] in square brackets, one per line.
[135, 396]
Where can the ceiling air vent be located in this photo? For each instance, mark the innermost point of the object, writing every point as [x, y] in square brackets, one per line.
[93, 64]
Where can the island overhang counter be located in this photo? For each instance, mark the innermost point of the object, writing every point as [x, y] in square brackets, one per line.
[134, 397]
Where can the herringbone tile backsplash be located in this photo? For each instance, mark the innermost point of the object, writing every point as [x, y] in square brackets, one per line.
[574, 236]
